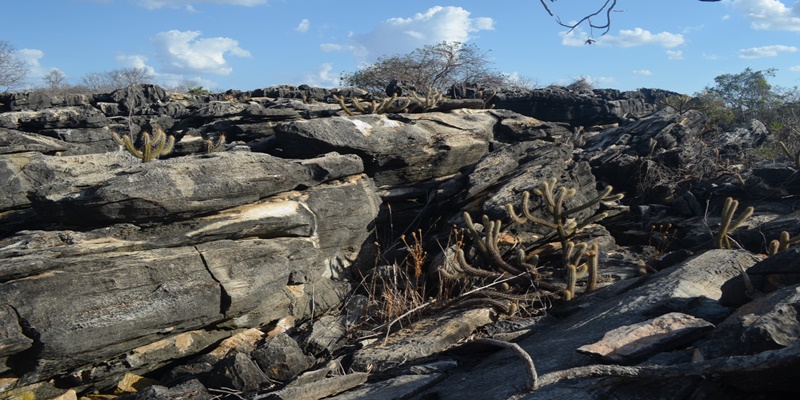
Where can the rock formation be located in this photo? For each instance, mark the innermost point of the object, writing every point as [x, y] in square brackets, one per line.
[233, 262]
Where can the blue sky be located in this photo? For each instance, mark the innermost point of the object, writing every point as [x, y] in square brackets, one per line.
[679, 45]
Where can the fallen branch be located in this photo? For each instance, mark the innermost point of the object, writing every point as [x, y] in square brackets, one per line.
[767, 360]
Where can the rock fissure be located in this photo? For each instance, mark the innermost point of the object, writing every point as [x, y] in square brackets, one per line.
[225, 299]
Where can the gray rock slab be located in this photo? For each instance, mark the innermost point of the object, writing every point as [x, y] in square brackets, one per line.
[632, 343]
[424, 338]
[502, 375]
[401, 387]
[413, 148]
[183, 187]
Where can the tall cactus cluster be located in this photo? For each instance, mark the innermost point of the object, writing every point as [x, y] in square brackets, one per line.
[513, 274]
[394, 104]
[151, 147]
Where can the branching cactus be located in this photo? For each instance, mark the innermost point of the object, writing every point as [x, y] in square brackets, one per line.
[212, 146]
[392, 104]
[723, 241]
[431, 100]
[159, 145]
[564, 227]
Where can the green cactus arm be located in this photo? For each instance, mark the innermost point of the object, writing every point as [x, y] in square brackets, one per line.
[728, 209]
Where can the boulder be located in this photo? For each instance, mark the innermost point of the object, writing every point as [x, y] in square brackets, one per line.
[395, 150]
[179, 188]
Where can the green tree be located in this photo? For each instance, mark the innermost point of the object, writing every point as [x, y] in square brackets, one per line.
[436, 66]
[748, 93]
[13, 70]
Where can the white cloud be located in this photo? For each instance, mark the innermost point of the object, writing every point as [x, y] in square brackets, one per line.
[639, 37]
[303, 26]
[675, 54]
[323, 76]
[402, 35]
[770, 14]
[625, 38]
[183, 52]
[711, 57]
[643, 72]
[188, 4]
[795, 68]
[766, 51]
[32, 57]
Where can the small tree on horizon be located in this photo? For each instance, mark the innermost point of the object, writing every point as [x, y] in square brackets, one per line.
[436, 66]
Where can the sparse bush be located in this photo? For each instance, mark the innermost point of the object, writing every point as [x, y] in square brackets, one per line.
[437, 66]
[13, 70]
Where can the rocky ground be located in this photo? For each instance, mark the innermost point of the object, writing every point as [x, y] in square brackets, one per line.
[285, 249]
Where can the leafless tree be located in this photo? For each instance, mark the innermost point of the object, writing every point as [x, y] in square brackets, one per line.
[55, 80]
[116, 79]
[13, 69]
[436, 66]
[603, 13]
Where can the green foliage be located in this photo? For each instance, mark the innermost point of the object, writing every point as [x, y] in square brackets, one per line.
[197, 90]
[438, 66]
[159, 145]
[723, 241]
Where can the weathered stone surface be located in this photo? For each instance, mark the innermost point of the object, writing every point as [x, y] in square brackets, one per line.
[326, 336]
[673, 289]
[23, 173]
[13, 141]
[422, 339]
[237, 371]
[64, 117]
[183, 187]
[402, 387]
[317, 390]
[190, 389]
[579, 108]
[632, 343]
[12, 337]
[774, 272]
[281, 358]
[414, 148]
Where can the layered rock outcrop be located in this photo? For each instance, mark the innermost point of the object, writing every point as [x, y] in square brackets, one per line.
[110, 266]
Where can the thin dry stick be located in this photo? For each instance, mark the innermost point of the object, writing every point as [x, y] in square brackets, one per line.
[533, 378]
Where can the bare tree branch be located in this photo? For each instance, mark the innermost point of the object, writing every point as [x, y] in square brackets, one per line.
[607, 8]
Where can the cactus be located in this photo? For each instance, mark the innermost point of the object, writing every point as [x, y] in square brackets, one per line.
[386, 105]
[211, 146]
[159, 145]
[723, 241]
[431, 100]
[783, 242]
[564, 228]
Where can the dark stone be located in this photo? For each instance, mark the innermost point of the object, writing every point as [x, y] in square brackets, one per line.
[281, 358]
[237, 371]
